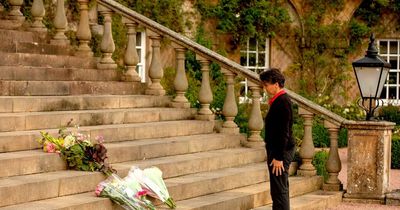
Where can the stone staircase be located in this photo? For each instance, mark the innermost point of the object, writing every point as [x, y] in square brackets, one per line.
[43, 86]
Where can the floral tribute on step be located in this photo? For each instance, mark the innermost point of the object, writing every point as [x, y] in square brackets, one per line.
[78, 150]
[131, 192]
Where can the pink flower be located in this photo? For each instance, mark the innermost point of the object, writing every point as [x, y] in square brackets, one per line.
[50, 147]
[141, 193]
[100, 139]
[99, 189]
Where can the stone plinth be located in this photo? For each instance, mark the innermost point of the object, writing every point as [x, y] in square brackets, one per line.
[369, 149]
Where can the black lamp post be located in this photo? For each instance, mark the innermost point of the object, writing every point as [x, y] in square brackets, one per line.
[371, 73]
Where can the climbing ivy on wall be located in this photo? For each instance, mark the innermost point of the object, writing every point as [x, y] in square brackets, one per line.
[246, 18]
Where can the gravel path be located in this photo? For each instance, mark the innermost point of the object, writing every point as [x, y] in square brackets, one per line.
[394, 184]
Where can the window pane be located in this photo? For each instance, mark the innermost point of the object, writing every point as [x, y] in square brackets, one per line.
[138, 39]
[261, 46]
[261, 59]
[383, 47]
[393, 47]
[243, 59]
[138, 52]
[392, 92]
[252, 44]
[252, 59]
[393, 62]
[392, 77]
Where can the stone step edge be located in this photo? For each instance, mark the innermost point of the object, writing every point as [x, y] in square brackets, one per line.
[250, 196]
[122, 166]
[17, 104]
[57, 184]
[314, 200]
[24, 121]
[27, 140]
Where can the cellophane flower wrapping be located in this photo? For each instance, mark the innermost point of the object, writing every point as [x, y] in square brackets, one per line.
[122, 193]
[151, 179]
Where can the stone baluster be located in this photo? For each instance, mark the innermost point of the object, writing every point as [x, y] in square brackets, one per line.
[155, 72]
[205, 94]
[307, 147]
[256, 122]
[60, 24]
[83, 33]
[107, 45]
[333, 166]
[15, 13]
[180, 82]
[95, 28]
[38, 12]
[131, 57]
[230, 109]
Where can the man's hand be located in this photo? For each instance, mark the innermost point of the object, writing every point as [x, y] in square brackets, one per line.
[277, 167]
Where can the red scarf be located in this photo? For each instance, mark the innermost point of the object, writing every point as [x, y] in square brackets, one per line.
[281, 92]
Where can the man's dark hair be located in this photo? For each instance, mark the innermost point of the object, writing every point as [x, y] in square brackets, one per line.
[272, 76]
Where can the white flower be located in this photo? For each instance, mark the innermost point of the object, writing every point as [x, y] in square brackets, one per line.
[69, 141]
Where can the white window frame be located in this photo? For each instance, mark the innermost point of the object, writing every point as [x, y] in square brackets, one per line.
[141, 66]
[387, 55]
[257, 69]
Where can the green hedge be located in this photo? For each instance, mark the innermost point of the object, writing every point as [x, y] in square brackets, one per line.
[395, 151]
[319, 161]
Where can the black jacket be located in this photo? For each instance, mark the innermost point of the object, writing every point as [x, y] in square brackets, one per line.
[279, 141]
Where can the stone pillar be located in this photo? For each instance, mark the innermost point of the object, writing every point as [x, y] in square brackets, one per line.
[131, 58]
[38, 12]
[60, 23]
[369, 155]
[256, 122]
[334, 165]
[83, 33]
[205, 94]
[156, 72]
[107, 46]
[230, 109]
[15, 13]
[180, 82]
[307, 147]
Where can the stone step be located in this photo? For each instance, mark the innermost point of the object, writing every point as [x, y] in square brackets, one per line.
[9, 36]
[243, 198]
[56, 61]
[27, 140]
[33, 73]
[79, 102]
[62, 183]
[56, 119]
[176, 165]
[37, 161]
[317, 200]
[35, 48]
[51, 88]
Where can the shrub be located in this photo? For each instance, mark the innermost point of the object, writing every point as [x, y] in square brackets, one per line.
[319, 161]
[395, 164]
[342, 139]
[390, 113]
[320, 135]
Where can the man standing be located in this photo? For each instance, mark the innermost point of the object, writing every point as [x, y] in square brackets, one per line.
[279, 142]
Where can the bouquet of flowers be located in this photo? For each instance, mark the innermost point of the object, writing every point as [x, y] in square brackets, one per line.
[77, 150]
[129, 195]
[151, 180]
[130, 192]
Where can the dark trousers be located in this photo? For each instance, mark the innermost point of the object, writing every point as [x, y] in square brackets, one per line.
[279, 185]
